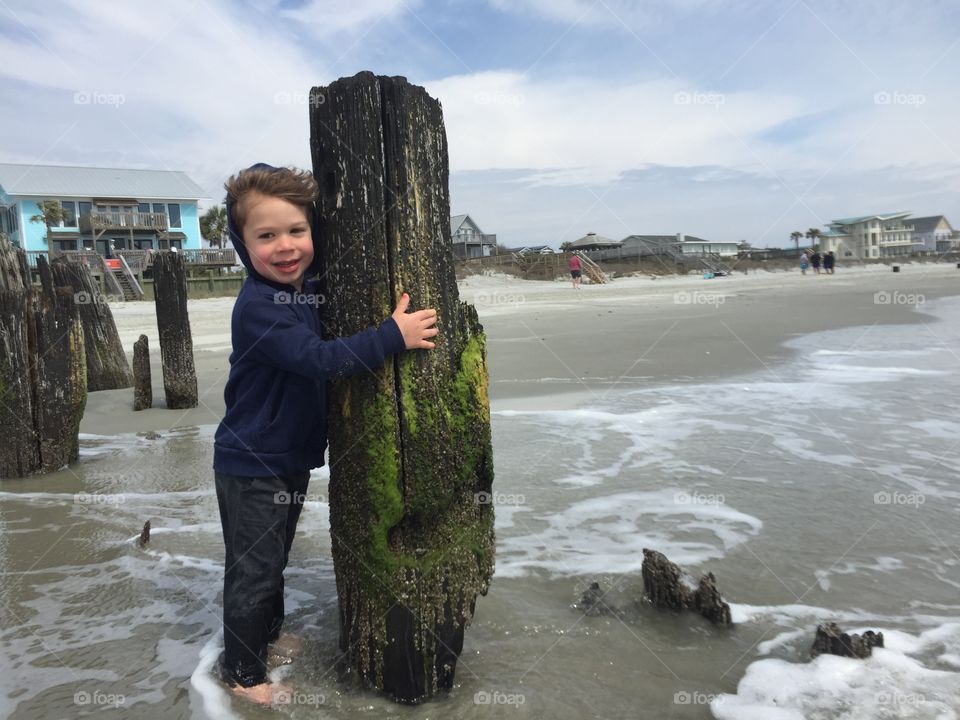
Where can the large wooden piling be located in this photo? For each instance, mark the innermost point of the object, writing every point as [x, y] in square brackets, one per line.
[173, 323]
[107, 366]
[410, 457]
[42, 369]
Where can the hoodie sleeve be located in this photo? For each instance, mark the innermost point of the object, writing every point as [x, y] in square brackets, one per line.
[283, 341]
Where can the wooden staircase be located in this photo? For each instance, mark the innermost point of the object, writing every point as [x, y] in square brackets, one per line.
[592, 270]
[124, 283]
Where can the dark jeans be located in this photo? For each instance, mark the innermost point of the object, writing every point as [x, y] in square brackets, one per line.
[259, 518]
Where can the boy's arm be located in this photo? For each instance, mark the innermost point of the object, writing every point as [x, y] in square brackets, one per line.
[281, 340]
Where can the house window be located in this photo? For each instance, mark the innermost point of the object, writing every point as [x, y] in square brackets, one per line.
[160, 208]
[143, 208]
[65, 244]
[173, 210]
[143, 243]
[85, 208]
[69, 214]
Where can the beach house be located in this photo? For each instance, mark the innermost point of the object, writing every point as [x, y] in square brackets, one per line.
[869, 236]
[104, 209]
[933, 234]
[469, 241]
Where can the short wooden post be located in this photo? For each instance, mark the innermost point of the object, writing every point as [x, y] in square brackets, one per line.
[142, 380]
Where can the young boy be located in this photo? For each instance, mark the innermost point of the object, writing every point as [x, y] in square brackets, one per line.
[274, 428]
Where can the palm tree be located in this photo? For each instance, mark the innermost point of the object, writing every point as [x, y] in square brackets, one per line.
[814, 235]
[795, 236]
[51, 215]
[213, 226]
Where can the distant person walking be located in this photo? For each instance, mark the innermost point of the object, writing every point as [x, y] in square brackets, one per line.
[575, 273]
[815, 261]
[829, 261]
[804, 263]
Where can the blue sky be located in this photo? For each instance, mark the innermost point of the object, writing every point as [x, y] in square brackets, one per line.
[725, 119]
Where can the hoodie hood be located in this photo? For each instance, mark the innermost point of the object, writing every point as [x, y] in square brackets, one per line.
[236, 238]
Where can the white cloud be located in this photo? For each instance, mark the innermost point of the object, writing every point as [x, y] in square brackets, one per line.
[324, 18]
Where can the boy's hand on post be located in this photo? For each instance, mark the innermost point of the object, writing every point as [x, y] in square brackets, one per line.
[415, 327]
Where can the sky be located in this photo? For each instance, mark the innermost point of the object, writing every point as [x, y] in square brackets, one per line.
[725, 119]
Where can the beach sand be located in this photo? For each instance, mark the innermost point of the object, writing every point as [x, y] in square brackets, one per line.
[550, 347]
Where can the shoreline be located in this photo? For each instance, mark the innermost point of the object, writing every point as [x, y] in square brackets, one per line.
[551, 347]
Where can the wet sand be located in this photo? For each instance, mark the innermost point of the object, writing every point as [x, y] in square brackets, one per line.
[551, 347]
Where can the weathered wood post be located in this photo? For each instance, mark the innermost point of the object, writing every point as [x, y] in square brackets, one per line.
[107, 366]
[142, 376]
[410, 457]
[43, 385]
[176, 342]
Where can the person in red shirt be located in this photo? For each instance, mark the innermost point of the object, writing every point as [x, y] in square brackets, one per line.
[574, 266]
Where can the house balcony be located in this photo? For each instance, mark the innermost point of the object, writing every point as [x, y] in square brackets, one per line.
[95, 221]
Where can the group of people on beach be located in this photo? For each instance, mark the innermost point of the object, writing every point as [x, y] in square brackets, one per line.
[828, 261]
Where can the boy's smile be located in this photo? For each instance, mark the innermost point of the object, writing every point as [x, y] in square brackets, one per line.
[277, 236]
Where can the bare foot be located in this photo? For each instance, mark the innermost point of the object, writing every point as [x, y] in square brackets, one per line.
[265, 693]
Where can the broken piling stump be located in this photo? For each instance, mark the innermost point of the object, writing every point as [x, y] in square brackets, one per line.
[142, 376]
[176, 342]
[107, 366]
[667, 586]
[410, 454]
[43, 385]
[830, 639]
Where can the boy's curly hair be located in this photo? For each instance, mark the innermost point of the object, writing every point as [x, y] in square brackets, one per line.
[291, 184]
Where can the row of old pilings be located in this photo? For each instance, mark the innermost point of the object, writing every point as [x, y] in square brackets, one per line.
[58, 341]
[668, 587]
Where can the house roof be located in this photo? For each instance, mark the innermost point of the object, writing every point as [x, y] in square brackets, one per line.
[878, 216]
[834, 233]
[594, 239]
[928, 224]
[71, 181]
[457, 220]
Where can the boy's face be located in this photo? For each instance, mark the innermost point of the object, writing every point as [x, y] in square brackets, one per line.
[277, 236]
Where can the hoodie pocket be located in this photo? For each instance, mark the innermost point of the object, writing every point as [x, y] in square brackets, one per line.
[290, 416]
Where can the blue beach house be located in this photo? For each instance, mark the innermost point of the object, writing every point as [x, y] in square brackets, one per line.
[106, 209]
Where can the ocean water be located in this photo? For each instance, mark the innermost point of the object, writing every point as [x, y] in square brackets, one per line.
[821, 489]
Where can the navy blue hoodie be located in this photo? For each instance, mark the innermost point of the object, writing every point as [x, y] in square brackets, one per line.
[275, 421]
